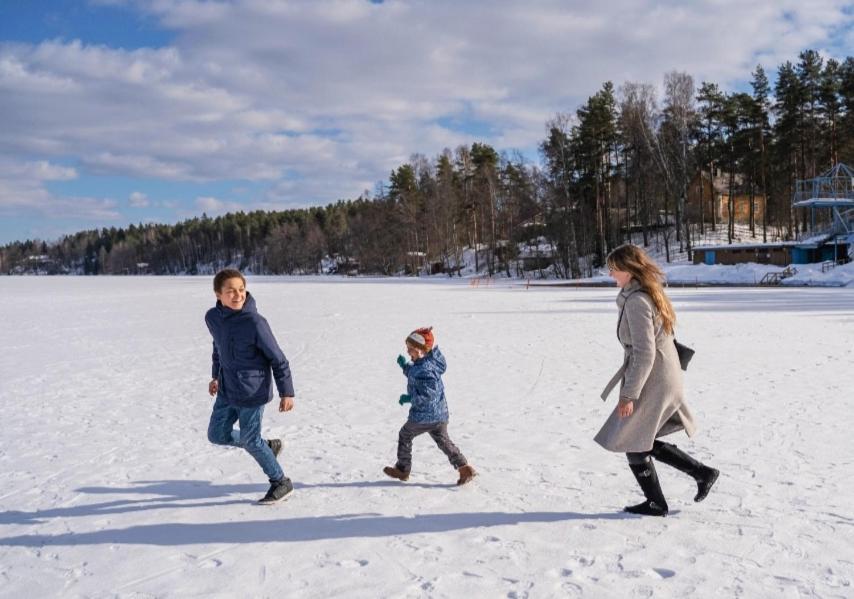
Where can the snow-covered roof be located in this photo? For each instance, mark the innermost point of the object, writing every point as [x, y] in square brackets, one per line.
[824, 202]
[747, 246]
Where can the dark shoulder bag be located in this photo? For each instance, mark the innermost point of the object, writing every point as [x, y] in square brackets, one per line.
[685, 354]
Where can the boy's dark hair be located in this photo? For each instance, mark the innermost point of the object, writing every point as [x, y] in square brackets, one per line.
[225, 274]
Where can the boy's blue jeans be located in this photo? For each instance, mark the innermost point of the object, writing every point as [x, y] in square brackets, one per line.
[221, 432]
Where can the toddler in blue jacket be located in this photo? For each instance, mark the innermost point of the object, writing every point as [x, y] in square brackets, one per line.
[428, 411]
[246, 360]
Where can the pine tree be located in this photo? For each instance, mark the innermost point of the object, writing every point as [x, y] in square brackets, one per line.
[710, 114]
[761, 124]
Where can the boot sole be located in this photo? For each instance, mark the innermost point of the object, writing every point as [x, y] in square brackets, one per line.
[645, 509]
[655, 514]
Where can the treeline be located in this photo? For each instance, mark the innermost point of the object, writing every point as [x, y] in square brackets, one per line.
[621, 165]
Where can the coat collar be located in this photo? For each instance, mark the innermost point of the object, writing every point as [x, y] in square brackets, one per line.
[626, 291]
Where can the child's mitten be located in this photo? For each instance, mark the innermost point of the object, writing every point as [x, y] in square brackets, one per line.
[401, 361]
[404, 399]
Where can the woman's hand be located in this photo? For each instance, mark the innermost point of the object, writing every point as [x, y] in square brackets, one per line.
[626, 407]
[286, 404]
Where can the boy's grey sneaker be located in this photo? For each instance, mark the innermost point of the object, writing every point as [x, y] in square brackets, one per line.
[275, 446]
[278, 491]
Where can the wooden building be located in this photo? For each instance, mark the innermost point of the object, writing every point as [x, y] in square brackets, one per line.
[709, 197]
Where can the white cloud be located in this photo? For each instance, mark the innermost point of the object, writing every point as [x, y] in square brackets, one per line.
[27, 196]
[136, 165]
[320, 99]
[38, 170]
[213, 206]
[138, 199]
[83, 208]
[23, 191]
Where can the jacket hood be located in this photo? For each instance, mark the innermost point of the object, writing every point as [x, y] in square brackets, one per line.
[434, 360]
[248, 307]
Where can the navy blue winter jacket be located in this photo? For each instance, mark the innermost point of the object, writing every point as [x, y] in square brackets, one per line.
[424, 385]
[246, 357]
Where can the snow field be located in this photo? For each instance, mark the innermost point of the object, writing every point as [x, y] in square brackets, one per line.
[112, 490]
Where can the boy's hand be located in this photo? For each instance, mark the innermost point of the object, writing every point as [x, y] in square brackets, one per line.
[401, 361]
[404, 399]
[213, 387]
[286, 404]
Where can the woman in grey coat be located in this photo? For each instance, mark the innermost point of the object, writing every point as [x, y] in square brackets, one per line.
[651, 402]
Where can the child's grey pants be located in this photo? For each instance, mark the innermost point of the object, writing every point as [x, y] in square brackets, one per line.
[439, 432]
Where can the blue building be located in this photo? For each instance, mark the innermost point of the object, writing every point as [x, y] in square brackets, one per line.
[830, 202]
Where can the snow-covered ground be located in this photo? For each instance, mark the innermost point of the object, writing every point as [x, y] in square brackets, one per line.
[110, 487]
[681, 271]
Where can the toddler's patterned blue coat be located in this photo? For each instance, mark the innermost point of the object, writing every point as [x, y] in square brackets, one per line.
[424, 386]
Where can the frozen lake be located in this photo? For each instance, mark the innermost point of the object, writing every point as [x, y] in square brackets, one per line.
[110, 487]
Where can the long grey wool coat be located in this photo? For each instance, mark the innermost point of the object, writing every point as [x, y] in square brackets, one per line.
[650, 375]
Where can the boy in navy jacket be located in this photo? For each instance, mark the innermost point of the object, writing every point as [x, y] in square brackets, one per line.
[246, 360]
[428, 412]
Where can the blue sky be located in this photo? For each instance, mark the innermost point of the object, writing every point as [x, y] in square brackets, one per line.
[124, 111]
[113, 25]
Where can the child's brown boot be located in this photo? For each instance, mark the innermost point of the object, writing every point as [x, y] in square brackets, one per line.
[393, 472]
[466, 474]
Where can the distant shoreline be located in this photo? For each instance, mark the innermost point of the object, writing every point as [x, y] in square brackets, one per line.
[683, 284]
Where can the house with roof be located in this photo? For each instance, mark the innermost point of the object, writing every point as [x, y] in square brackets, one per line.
[708, 198]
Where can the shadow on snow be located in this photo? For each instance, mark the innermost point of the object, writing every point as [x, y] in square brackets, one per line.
[186, 494]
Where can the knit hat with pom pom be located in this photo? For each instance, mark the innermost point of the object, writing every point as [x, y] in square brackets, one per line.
[421, 338]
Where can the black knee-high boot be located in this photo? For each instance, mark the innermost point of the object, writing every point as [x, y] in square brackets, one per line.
[655, 505]
[673, 456]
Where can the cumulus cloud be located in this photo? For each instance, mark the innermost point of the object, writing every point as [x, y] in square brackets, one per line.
[213, 206]
[83, 208]
[38, 170]
[138, 199]
[19, 196]
[319, 99]
[23, 192]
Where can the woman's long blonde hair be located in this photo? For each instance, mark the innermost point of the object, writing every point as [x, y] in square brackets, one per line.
[633, 260]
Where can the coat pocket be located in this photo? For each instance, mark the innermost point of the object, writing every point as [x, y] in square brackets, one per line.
[251, 383]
